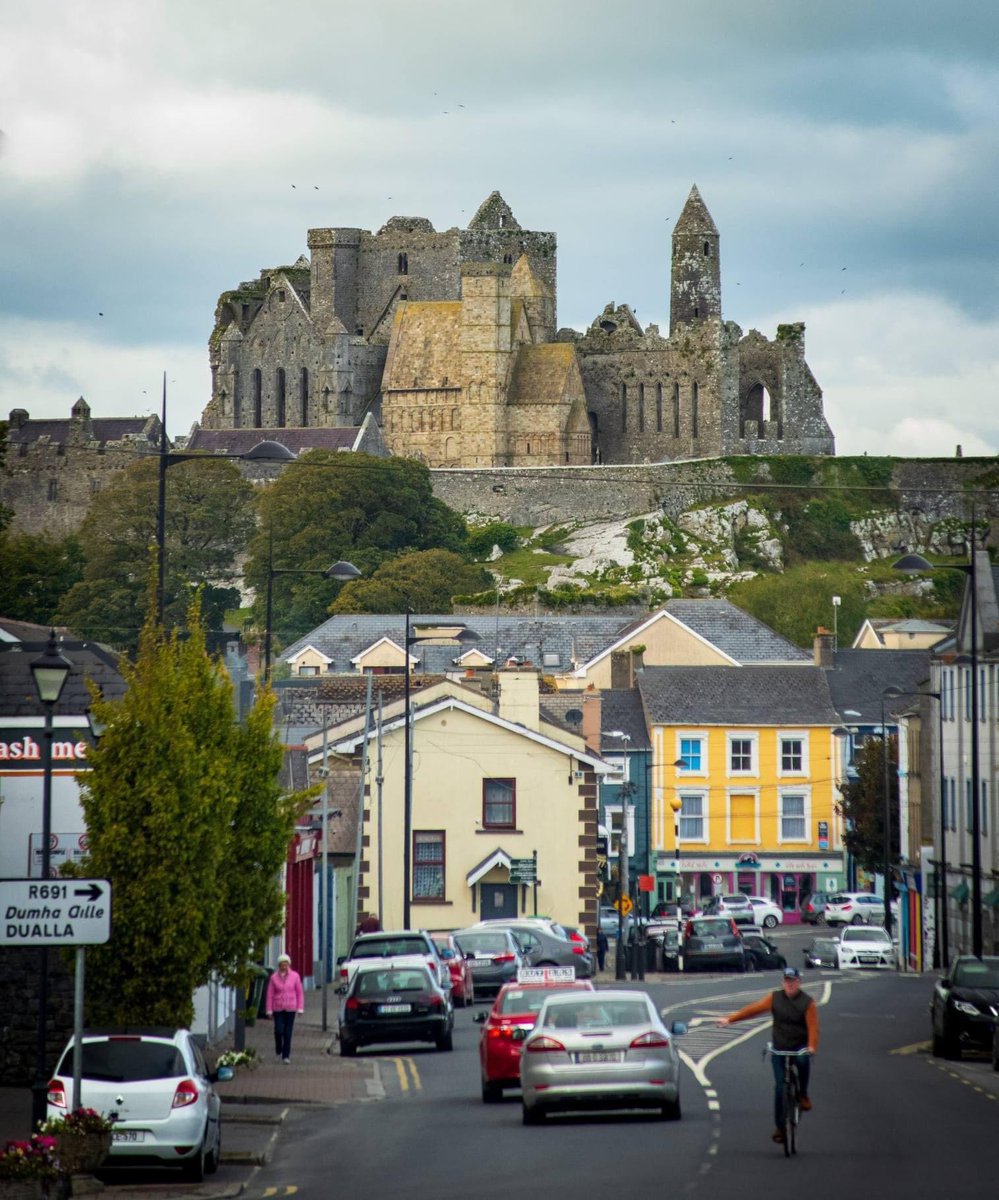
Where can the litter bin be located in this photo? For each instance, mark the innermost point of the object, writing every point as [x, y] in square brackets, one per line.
[256, 993]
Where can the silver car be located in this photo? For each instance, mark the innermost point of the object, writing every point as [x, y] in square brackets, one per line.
[600, 1050]
[544, 943]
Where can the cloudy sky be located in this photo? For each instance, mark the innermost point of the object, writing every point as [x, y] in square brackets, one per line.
[156, 153]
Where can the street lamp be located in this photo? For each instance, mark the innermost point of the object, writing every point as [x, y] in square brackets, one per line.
[915, 563]
[676, 804]
[50, 671]
[623, 865]
[444, 635]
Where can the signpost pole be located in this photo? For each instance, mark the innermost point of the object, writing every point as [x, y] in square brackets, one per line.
[535, 856]
[78, 1024]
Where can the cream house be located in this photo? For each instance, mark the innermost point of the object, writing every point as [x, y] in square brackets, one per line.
[493, 781]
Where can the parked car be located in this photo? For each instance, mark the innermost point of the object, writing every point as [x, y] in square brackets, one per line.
[493, 957]
[822, 952]
[402, 947]
[735, 905]
[155, 1084]
[863, 947]
[576, 934]
[462, 988]
[545, 944]
[854, 908]
[761, 953]
[765, 912]
[964, 1005]
[513, 1012]
[390, 1003]
[608, 920]
[712, 943]
[608, 1049]
[813, 911]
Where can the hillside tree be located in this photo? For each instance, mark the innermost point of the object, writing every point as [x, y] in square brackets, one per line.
[423, 582]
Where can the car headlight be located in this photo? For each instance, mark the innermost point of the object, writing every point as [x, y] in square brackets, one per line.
[964, 1007]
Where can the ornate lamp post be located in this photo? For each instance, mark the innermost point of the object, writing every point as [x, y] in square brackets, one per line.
[50, 671]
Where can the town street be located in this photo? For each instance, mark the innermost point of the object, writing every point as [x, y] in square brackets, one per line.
[888, 1118]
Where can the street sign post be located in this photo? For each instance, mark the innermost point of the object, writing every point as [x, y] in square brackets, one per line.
[55, 912]
[523, 870]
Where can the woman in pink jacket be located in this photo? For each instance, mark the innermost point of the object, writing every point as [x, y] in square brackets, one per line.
[284, 999]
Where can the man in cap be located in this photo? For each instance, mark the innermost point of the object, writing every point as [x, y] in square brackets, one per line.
[795, 1027]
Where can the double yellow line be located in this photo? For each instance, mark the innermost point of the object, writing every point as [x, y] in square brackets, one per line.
[401, 1067]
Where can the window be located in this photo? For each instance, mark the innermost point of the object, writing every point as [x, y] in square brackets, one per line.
[641, 408]
[692, 753]
[313, 670]
[792, 756]
[53, 490]
[403, 264]
[793, 817]
[659, 408]
[624, 408]
[676, 410]
[743, 819]
[740, 755]
[953, 804]
[694, 390]
[693, 817]
[499, 803]
[428, 864]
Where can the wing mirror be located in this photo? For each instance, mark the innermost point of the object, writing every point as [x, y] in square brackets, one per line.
[480, 1018]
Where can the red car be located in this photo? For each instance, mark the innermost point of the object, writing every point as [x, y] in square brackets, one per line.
[512, 1015]
[462, 991]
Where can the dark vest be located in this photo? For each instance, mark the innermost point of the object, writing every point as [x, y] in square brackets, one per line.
[790, 1029]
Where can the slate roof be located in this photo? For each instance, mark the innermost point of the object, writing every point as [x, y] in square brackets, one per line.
[18, 697]
[100, 429]
[858, 677]
[739, 697]
[298, 440]
[740, 635]
[621, 711]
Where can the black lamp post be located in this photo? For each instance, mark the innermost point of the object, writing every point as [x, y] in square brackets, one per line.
[443, 635]
[50, 671]
[915, 563]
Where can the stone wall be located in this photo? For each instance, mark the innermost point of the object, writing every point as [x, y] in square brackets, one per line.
[19, 984]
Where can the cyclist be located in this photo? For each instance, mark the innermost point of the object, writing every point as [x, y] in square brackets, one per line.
[795, 1027]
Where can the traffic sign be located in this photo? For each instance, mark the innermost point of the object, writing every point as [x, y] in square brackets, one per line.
[523, 870]
[63, 912]
[624, 905]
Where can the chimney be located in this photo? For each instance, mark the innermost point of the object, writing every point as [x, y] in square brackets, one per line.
[518, 697]
[822, 648]
[622, 669]
[591, 721]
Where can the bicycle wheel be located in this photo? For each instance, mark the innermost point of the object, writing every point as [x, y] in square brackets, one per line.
[788, 1099]
[793, 1109]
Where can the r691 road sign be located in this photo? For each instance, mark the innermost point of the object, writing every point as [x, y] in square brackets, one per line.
[51, 912]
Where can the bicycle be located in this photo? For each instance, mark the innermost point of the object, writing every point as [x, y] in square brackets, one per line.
[791, 1096]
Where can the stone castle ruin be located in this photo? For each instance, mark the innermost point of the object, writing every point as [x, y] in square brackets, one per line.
[450, 341]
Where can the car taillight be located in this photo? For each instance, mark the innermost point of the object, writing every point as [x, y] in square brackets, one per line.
[650, 1039]
[503, 1032]
[503, 958]
[543, 1045]
[344, 973]
[578, 948]
[186, 1093]
[57, 1093]
[436, 1001]
[351, 1004]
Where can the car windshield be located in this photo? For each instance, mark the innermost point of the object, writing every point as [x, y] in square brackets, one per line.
[389, 947]
[373, 983]
[484, 943]
[824, 946]
[526, 1000]
[586, 1014]
[866, 935]
[978, 974]
[718, 927]
[126, 1060]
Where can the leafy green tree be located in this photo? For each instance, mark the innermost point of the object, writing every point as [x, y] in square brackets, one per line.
[329, 507]
[423, 582]
[184, 816]
[863, 805]
[36, 572]
[209, 517]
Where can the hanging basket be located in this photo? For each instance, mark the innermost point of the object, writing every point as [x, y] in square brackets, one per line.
[81, 1153]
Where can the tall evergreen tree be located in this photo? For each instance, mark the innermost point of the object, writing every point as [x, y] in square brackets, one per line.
[863, 805]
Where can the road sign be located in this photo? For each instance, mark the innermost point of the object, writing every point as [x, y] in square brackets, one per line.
[63, 912]
[624, 905]
[523, 877]
[523, 870]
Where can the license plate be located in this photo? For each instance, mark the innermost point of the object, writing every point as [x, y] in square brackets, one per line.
[712, 946]
[128, 1135]
[598, 1056]
[869, 958]
[394, 1009]
[482, 962]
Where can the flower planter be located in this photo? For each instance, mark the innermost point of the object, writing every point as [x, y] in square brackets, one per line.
[81, 1153]
[22, 1189]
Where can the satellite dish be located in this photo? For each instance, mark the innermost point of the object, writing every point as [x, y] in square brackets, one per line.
[574, 716]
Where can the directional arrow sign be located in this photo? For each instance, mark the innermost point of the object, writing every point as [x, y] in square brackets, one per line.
[64, 912]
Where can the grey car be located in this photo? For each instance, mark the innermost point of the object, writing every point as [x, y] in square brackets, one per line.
[545, 944]
[493, 957]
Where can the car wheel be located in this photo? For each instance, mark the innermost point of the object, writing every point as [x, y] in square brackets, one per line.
[770, 922]
[670, 1111]
[532, 1116]
[857, 919]
[194, 1169]
[446, 1041]
[213, 1160]
[347, 1049]
[491, 1092]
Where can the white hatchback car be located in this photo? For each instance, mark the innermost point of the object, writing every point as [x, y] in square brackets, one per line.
[156, 1086]
[863, 947]
[854, 908]
[766, 912]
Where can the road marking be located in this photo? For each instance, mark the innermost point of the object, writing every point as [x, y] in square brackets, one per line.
[417, 1082]
[401, 1065]
[401, 1072]
[290, 1190]
[915, 1048]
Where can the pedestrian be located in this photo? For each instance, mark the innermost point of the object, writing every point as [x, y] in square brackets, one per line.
[795, 1027]
[284, 999]
[601, 949]
[369, 923]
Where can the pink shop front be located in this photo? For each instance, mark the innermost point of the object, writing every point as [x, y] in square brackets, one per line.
[787, 880]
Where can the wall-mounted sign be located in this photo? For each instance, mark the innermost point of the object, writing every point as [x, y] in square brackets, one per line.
[63, 848]
[21, 749]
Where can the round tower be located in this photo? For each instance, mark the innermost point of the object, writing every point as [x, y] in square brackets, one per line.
[695, 285]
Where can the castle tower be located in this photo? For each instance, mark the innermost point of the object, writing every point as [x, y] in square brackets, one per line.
[485, 361]
[539, 304]
[333, 276]
[695, 285]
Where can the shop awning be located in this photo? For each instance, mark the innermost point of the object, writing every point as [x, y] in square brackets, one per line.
[960, 893]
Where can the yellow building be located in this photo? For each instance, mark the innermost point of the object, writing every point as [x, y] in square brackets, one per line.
[492, 782]
[745, 772]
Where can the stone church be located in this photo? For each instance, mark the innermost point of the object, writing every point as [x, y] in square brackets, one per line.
[449, 341]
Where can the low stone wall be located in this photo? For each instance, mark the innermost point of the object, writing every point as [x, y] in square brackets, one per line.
[19, 984]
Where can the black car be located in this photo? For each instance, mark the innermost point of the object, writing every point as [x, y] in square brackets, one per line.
[822, 952]
[394, 1004]
[965, 1006]
[761, 953]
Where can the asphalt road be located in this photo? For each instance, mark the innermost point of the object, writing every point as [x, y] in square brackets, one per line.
[888, 1118]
